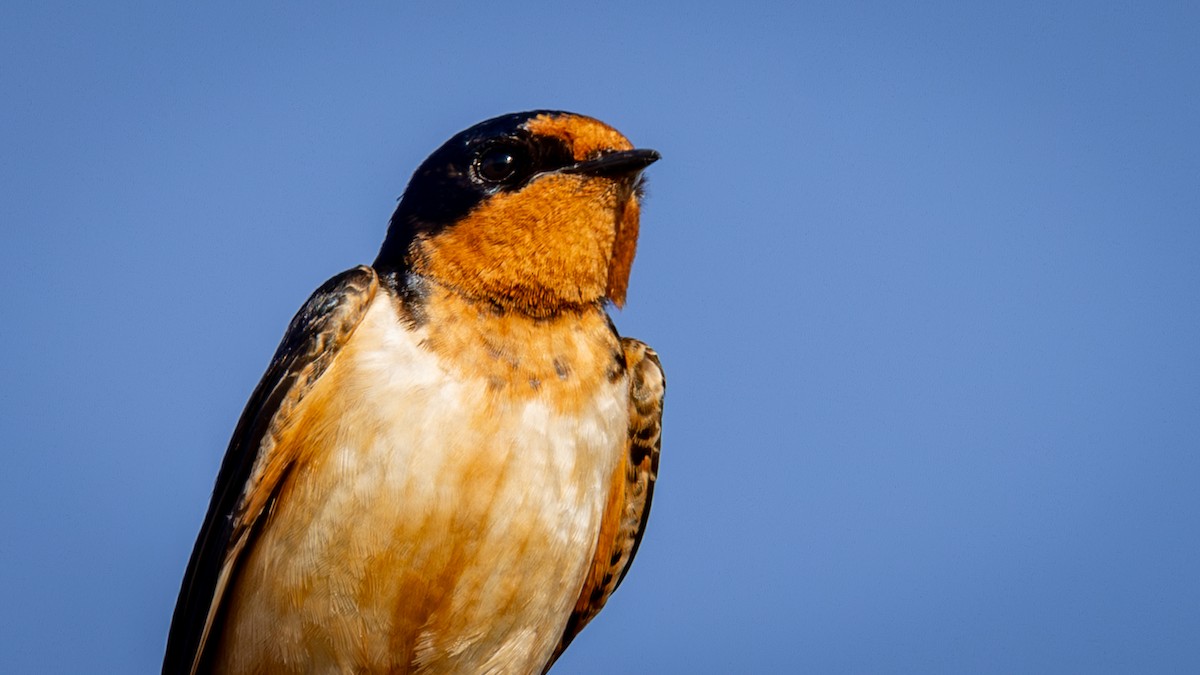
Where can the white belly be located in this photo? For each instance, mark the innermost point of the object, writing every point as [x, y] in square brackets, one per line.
[436, 520]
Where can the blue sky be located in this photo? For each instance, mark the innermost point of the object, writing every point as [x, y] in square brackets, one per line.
[925, 281]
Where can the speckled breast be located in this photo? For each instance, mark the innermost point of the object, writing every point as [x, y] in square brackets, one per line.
[445, 506]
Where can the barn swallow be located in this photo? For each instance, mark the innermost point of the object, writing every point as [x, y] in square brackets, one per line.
[448, 465]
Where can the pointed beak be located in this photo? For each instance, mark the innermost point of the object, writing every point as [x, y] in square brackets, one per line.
[615, 163]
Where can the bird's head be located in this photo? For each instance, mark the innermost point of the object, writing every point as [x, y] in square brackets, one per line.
[534, 212]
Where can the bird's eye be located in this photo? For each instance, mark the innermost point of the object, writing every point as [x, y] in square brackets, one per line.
[501, 164]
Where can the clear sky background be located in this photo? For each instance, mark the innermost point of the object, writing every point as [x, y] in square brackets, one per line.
[925, 281]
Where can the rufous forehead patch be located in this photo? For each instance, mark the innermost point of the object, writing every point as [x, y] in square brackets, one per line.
[585, 136]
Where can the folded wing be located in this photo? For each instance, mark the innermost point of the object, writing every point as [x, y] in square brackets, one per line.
[253, 471]
[631, 490]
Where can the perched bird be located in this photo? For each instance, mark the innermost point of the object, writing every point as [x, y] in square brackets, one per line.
[448, 465]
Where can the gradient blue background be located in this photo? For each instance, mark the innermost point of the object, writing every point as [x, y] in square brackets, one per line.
[926, 283]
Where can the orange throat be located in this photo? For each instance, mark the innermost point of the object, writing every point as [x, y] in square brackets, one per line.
[541, 251]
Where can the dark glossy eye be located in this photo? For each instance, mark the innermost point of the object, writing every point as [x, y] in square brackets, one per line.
[500, 164]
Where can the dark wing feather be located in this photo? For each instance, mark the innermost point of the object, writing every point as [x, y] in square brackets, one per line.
[632, 489]
[312, 340]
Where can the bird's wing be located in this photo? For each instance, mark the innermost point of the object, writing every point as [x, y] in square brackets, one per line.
[253, 471]
[631, 490]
